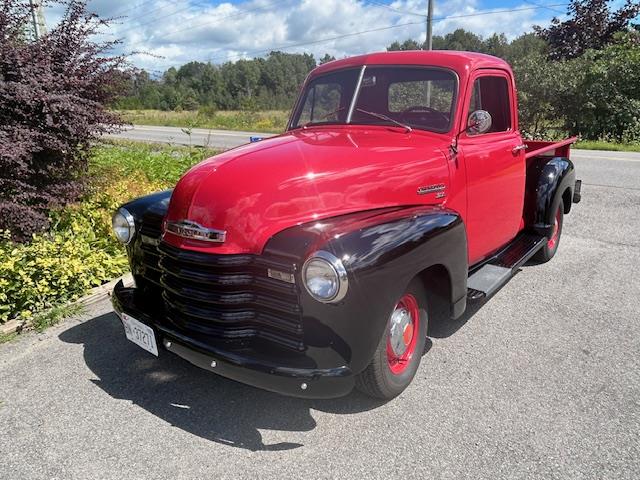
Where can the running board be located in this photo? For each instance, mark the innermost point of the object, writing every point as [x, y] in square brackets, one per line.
[485, 281]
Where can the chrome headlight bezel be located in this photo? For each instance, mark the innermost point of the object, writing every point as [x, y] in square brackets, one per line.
[128, 222]
[339, 272]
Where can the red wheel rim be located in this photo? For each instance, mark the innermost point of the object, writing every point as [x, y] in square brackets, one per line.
[553, 241]
[402, 334]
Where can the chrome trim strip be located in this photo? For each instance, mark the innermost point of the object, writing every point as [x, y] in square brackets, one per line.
[356, 94]
[280, 275]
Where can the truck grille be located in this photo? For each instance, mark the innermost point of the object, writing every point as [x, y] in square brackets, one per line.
[227, 299]
[150, 233]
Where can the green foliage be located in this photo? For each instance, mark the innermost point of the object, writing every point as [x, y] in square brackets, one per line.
[77, 254]
[259, 84]
[591, 25]
[156, 166]
[611, 146]
[210, 117]
[79, 251]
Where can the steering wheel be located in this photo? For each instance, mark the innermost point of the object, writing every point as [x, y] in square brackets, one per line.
[421, 108]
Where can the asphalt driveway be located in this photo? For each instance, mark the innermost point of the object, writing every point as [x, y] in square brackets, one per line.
[543, 381]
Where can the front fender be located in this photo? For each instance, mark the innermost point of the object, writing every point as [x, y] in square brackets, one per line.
[148, 213]
[382, 250]
[555, 177]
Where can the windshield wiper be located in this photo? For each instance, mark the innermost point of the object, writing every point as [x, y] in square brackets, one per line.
[323, 117]
[388, 119]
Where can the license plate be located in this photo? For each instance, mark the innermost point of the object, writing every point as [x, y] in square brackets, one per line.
[140, 334]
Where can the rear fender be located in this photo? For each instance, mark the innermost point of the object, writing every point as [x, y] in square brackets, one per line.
[555, 177]
[382, 251]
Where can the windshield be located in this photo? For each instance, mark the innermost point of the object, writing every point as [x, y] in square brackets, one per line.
[417, 97]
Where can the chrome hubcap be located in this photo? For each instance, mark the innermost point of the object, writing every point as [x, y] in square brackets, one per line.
[400, 330]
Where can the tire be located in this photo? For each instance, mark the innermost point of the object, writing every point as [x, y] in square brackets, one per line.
[391, 370]
[550, 248]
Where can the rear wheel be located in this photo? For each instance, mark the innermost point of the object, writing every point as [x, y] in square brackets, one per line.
[550, 248]
[398, 355]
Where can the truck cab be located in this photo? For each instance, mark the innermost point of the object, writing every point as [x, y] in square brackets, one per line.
[308, 263]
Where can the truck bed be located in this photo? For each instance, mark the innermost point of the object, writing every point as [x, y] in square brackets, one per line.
[536, 148]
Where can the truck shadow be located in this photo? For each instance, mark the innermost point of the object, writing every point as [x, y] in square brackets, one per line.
[192, 399]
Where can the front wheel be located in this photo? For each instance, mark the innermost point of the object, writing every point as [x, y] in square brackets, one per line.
[550, 248]
[399, 352]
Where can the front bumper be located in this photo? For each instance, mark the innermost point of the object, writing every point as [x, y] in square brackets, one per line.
[297, 382]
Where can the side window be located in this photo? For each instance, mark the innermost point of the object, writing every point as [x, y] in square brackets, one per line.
[322, 103]
[491, 93]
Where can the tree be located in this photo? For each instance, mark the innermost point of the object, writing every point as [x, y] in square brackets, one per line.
[52, 97]
[459, 39]
[262, 83]
[406, 45]
[599, 92]
[592, 26]
[326, 59]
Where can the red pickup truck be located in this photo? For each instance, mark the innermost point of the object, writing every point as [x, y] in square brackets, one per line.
[309, 263]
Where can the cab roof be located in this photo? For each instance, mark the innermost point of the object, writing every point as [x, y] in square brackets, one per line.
[460, 62]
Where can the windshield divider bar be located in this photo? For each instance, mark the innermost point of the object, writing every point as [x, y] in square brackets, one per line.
[356, 93]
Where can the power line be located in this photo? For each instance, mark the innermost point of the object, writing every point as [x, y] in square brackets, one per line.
[390, 27]
[339, 37]
[139, 25]
[548, 7]
[135, 7]
[397, 10]
[238, 14]
[499, 11]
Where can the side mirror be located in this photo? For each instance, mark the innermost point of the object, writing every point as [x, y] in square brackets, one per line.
[479, 122]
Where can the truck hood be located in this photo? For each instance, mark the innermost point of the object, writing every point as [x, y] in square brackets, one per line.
[255, 191]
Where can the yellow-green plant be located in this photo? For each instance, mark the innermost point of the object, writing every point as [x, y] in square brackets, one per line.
[79, 252]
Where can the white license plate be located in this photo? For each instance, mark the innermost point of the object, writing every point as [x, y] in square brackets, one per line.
[140, 334]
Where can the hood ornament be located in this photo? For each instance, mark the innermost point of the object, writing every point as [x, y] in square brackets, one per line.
[195, 231]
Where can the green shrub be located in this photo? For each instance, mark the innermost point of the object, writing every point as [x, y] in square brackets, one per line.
[60, 265]
[79, 252]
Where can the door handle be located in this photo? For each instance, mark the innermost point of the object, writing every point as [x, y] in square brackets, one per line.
[518, 148]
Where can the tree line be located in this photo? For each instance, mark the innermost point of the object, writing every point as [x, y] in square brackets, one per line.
[578, 76]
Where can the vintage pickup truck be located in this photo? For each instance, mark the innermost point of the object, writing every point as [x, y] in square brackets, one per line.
[309, 263]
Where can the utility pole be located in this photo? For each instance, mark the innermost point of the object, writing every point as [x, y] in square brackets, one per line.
[429, 43]
[429, 40]
[37, 19]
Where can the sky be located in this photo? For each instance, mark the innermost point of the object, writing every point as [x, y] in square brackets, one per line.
[174, 32]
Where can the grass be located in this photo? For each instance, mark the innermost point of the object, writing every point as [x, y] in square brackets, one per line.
[609, 146]
[160, 164]
[7, 338]
[53, 316]
[273, 121]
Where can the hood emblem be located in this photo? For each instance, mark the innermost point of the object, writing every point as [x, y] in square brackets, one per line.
[438, 187]
[195, 231]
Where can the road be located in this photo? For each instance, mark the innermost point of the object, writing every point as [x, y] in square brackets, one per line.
[543, 381]
[201, 137]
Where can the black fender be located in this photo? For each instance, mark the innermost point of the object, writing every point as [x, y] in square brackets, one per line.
[382, 251]
[554, 177]
[151, 206]
[148, 213]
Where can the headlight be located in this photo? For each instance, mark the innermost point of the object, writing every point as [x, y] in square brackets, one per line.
[123, 226]
[325, 277]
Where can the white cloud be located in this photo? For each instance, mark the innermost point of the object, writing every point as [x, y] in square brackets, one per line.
[185, 30]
